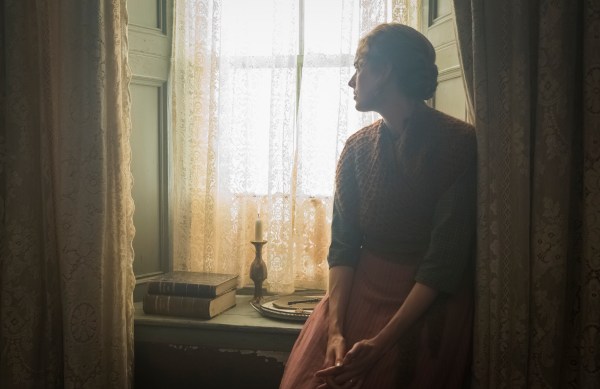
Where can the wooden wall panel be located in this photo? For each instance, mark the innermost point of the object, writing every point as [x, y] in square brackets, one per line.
[145, 143]
[438, 26]
[145, 13]
[150, 39]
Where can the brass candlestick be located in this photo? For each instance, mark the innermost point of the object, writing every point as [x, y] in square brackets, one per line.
[258, 270]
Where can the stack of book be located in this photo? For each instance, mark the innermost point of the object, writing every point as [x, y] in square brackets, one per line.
[191, 294]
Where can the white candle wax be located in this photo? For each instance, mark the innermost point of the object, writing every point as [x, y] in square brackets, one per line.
[258, 229]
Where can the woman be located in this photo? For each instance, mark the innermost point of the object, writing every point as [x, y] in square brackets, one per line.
[399, 307]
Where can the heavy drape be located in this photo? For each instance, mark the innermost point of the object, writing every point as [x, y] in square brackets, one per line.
[66, 280]
[259, 119]
[532, 75]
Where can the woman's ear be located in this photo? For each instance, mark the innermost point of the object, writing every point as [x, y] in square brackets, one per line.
[385, 74]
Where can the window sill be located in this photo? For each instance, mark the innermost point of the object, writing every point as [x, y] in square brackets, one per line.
[240, 328]
[237, 349]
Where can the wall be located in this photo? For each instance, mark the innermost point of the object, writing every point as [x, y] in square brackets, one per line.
[163, 365]
[237, 349]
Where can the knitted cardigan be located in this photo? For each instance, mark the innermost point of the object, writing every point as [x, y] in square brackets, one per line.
[410, 199]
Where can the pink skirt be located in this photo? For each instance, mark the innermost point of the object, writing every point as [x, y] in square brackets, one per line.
[434, 353]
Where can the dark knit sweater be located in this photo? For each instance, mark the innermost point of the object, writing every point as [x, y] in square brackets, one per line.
[409, 201]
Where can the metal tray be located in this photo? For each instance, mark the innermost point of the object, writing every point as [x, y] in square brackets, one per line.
[271, 307]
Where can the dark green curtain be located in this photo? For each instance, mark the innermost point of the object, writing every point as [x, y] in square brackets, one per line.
[532, 71]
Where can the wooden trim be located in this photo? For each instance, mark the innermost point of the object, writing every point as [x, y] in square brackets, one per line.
[162, 25]
[166, 262]
[450, 73]
[433, 17]
[164, 228]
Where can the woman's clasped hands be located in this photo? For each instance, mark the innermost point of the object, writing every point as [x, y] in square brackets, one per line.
[348, 371]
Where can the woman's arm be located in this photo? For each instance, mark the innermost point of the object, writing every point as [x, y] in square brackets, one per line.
[346, 239]
[445, 263]
[340, 283]
[356, 362]
[417, 302]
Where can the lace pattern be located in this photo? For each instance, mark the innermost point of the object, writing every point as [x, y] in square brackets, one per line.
[247, 140]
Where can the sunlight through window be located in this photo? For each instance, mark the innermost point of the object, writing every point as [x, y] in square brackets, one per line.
[286, 109]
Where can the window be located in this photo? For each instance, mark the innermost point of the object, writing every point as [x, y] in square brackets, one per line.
[261, 111]
[284, 69]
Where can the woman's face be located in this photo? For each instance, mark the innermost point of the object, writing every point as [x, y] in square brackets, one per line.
[366, 82]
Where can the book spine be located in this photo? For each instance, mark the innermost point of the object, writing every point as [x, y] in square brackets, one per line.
[181, 289]
[177, 306]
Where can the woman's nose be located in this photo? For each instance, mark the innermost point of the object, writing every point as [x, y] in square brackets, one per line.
[352, 82]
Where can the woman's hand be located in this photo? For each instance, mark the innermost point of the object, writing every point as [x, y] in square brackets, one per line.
[349, 372]
[335, 377]
[333, 383]
[336, 349]
[362, 356]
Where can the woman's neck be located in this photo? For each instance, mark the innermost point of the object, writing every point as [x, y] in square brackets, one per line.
[396, 117]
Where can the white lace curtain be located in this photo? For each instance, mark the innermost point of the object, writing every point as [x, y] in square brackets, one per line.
[261, 110]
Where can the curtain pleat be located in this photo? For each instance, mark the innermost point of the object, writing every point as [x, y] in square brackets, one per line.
[533, 92]
[66, 274]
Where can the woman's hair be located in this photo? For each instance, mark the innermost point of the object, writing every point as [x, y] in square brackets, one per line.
[410, 53]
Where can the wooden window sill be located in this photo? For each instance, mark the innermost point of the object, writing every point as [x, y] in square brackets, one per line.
[241, 327]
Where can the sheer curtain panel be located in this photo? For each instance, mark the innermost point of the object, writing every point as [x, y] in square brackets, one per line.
[261, 110]
[66, 279]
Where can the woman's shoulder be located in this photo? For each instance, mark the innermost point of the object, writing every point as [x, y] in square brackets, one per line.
[448, 125]
[453, 130]
[362, 145]
[453, 144]
[365, 135]
[451, 133]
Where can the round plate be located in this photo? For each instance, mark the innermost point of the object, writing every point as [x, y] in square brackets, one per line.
[301, 306]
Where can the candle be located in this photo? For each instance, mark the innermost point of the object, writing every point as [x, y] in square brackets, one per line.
[258, 229]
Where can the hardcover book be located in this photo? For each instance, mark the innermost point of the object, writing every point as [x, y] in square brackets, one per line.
[196, 307]
[192, 284]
